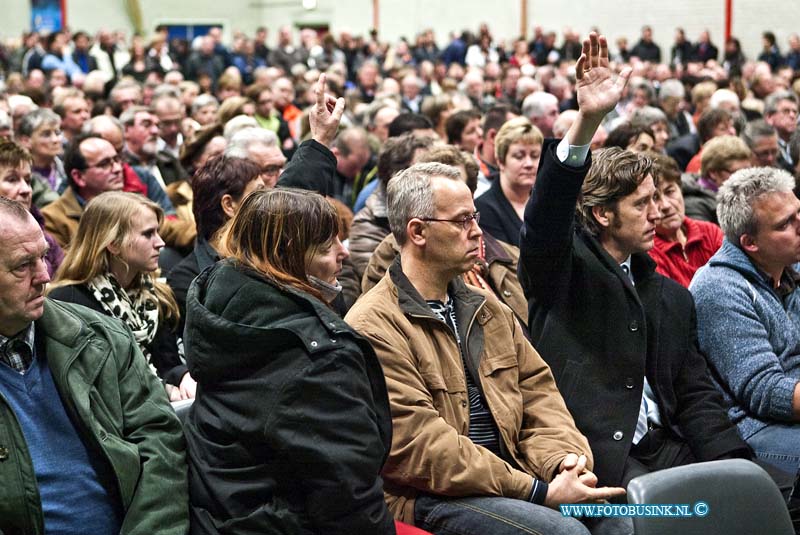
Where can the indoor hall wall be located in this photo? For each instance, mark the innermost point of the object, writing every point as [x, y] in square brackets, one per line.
[407, 17]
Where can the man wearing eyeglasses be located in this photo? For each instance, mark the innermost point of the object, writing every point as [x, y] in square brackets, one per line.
[482, 441]
[780, 111]
[93, 167]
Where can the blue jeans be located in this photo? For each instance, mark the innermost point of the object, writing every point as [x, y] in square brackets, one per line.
[779, 445]
[505, 516]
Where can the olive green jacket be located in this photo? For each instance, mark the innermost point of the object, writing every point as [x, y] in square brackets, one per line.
[121, 411]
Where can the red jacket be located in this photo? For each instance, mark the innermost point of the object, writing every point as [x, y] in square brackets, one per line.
[680, 263]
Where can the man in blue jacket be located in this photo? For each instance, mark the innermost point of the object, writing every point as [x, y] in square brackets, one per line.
[748, 311]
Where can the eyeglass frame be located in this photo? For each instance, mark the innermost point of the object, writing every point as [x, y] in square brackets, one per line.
[465, 222]
[106, 164]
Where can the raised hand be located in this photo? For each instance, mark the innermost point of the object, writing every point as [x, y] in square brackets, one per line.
[326, 114]
[599, 90]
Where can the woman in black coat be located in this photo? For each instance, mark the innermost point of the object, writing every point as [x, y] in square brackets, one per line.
[518, 146]
[291, 425]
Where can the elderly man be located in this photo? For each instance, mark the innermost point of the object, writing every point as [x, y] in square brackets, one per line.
[90, 443]
[618, 336]
[261, 147]
[141, 146]
[542, 110]
[780, 111]
[481, 435]
[762, 138]
[748, 311]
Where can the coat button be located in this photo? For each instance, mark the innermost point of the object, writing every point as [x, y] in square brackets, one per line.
[463, 402]
[629, 383]
[3, 453]
[333, 340]
[506, 293]
[314, 343]
[633, 326]
[617, 435]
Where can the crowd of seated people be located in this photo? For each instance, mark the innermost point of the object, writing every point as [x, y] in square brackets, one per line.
[401, 285]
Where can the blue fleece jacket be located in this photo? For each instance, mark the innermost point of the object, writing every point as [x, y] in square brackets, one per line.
[750, 337]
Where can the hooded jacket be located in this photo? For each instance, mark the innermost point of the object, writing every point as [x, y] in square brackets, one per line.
[291, 425]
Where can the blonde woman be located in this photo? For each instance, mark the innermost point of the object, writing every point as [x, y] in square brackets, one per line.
[517, 147]
[110, 267]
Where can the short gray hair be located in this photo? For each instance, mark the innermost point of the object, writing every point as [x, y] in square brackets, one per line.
[201, 101]
[648, 116]
[671, 88]
[737, 195]
[772, 101]
[236, 125]
[756, 130]
[410, 194]
[534, 104]
[128, 117]
[240, 143]
[33, 120]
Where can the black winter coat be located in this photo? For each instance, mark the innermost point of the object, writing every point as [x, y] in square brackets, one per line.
[291, 425]
[601, 335]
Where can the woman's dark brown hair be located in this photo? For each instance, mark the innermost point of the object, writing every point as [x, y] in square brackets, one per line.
[276, 231]
[220, 175]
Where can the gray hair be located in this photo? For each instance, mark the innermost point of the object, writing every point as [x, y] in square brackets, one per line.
[410, 194]
[772, 101]
[648, 116]
[723, 95]
[128, 117]
[236, 125]
[756, 130]
[165, 90]
[671, 88]
[33, 120]
[239, 145]
[737, 195]
[534, 104]
[201, 101]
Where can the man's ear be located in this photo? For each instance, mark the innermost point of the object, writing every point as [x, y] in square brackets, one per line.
[748, 243]
[601, 215]
[77, 178]
[416, 232]
[227, 205]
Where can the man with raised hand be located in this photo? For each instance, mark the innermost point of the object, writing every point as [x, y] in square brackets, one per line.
[619, 337]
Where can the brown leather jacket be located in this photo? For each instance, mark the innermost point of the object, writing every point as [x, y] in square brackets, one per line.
[428, 396]
[501, 257]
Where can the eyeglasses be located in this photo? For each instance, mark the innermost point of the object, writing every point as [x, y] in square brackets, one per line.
[106, 164]
[465, 222]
